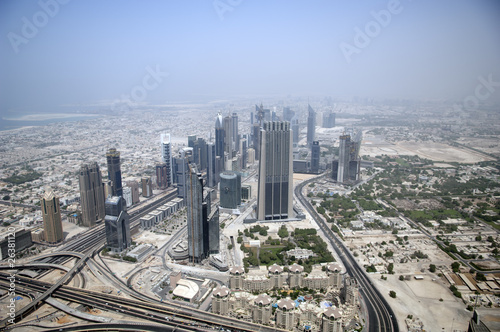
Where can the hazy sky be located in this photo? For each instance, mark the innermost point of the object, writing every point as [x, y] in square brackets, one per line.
[95, 51]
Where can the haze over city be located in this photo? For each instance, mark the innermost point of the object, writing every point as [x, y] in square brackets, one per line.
[93, 52]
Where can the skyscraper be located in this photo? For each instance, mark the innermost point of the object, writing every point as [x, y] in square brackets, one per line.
[117, 224]
[315, 154]
[182, 170]
[328, 119]
[211, 166]
[91, 194]
[288, 114]
[147, 188]
[219, 136]
[256, 140]
[236, 135]
[346, 168]
[295, 130]
[228, 136]
[166, 156]
[51, 213]
[274, 200]
[114, 172]
[195, 219]
[230, 189]
[311, 125]
[161, 175]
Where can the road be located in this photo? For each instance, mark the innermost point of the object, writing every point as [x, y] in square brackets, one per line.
[167, 315]
[380, 315]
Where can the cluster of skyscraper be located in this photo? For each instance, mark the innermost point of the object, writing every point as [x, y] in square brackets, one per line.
[104, 201]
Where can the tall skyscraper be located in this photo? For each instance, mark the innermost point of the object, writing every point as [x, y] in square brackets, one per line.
[51, 213]
[311, 125]
[166, 156]
[256, 140]
[182, 170]
[161, 175]
[91, 194]
[328, 119]
[315, 154]
[117, 223]
[228, 136]
[134, 188]
[211, 166]
[288, 114]
[243, 152]
[275, 200]
[197, 224]
[219, 136]
[147, 188]
[230, 189]
[295, 130]
[114, 172]
[236, 135]
[346, 168]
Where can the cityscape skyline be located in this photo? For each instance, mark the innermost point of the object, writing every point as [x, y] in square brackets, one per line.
[415, 50]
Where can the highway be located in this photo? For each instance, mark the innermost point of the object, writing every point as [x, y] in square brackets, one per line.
[168, 315]
[380, 315]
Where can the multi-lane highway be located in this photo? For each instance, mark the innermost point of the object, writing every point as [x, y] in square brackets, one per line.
[168, 315]
[381, 316]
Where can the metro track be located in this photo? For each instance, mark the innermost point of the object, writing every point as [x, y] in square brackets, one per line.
[157, 313]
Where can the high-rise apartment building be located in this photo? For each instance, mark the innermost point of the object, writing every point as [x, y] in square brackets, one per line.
[228, 136]
[346, 168]
[236, 135]
[166, 156]
[256, 140]
[275, 199]
[181, 170]
[91, 194]
[147, 188]
[230, 189]
[328, 119]
[295, 130]
[202, 223]
[311, 125]
[117, 224]
[52, 225]
[114, 172]
[219, 136]
[288, 114]
[161, 175]
[211, 166]
[195, 222]
[315, 155]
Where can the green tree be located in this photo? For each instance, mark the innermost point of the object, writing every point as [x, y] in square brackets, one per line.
[392, 294]
[283, 232]
[432, 268]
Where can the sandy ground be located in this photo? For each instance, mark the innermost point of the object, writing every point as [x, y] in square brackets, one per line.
[71, 230]
[421, 298]
[430, 150]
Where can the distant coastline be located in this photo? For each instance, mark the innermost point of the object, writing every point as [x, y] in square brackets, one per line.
[40, 119]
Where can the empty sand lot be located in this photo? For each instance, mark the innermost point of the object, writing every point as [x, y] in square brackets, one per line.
[421, 298]
[429, 150]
